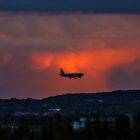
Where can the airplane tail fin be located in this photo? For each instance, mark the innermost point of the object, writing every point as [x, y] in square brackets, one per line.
[62, 71]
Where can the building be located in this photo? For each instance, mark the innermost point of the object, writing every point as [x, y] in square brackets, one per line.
[77, 125]
[109, 121]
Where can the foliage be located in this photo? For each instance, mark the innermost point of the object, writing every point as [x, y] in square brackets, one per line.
[60, 128]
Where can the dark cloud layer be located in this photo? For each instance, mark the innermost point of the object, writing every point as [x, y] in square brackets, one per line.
[96, 6]
[126, 76]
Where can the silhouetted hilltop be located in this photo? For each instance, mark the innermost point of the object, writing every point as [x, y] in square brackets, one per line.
[108, 102]
[118, 94]
[128, 100]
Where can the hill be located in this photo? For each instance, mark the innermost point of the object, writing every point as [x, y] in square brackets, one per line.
[115, 101]
[108, 102]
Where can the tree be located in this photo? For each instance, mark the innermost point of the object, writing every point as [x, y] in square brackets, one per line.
[123, 128]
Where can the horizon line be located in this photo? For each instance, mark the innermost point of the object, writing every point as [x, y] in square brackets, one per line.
[76, 93]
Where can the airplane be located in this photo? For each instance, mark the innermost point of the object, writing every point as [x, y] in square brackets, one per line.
[71, 75]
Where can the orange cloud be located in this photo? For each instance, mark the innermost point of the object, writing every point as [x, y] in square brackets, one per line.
[41, 61]
[101, 59]
[98, 60]
[96, 64]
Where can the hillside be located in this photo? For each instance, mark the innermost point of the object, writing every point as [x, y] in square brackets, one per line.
[108, 102]
[115, 101]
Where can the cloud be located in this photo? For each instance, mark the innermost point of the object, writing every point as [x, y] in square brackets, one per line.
[41, 61]
[125, 76]
[5, 58]
[33, 47]
[96, 64]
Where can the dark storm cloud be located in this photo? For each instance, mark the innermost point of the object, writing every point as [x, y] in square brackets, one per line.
[17, 80]
[97, 6]
[125, 76]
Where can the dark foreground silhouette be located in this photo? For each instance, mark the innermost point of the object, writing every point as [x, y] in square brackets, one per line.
[58, 127]
[109, 116]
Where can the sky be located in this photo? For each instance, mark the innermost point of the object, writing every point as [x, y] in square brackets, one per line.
[34, 45]
[97, 6]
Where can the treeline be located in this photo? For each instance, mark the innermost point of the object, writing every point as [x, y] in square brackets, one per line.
[60, 128]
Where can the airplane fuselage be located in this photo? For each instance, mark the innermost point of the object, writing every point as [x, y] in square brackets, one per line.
[71, 75]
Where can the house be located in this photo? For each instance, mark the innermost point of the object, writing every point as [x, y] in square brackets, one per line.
[77, 125]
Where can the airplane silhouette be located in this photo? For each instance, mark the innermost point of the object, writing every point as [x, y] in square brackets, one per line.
[71, 75]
